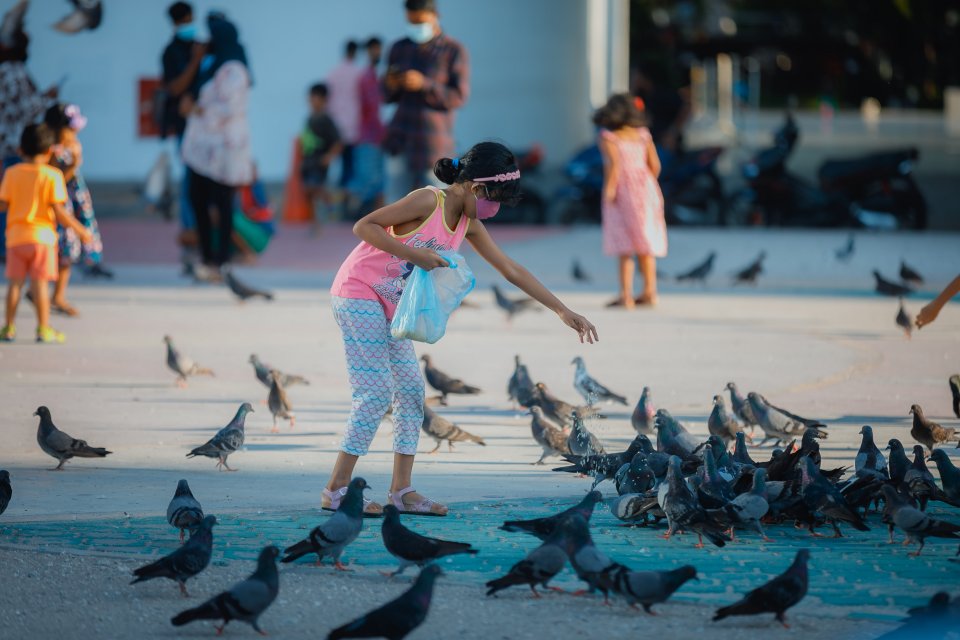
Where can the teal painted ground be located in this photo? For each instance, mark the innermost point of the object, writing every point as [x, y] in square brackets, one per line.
[860, 574]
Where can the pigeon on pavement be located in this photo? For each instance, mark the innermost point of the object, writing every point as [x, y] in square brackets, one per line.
[443, 383]
[587, 560]
[845, 253]
[513, 306]
[684, 513]
[672, 437]
[909, 275]
[700, 272]
[549, 436]
[927, 432]
[747, 509]
[543, 528]
[741, 408]
[59, 445]
[186, 561]
[915, 523]
[440, 429]
[411, 548]
[899, 462]
[642, 417]
[262, 371]
[520, 388]
[242, 290]
[774, 424]
[184, 511]
[887, 288]
[776, 596]
[740, 453]
[605, 466]
[869, 453]
[722, 424]
[577, 272]
[333, 536]
[227, 440]
[539, 566]
[949, 474]
[750, 273]
[920, 482]
[903, 320]
[821, 496]
[647, 588]
[581, 442]
[181, 365]
[559, 411]
[278, 403]
[245, 601]
[591, 390]
[6, 491]
[399, 617]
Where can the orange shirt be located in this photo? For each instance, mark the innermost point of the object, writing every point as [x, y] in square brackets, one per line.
[29, 190]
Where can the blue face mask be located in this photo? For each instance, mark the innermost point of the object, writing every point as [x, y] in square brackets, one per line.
[187, 31]
[421, 33]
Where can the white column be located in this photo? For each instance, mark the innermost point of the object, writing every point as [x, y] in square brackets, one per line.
[608, 48]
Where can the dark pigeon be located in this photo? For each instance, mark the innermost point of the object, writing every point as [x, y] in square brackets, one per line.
[543, 528]
[540, 565]
[605, 467]
[903, 320]
[740, 453]
[700, 272]
[635, 477]
[184, 563]
[520, 387]
[441, 429]
[184, 511]
[683, 511]
[577, 272]
[722, 424]
[262, 371]
[6, 491]
[776, 596]
[245, 601]
[909, 275]
[590, 564]
[642, 417]
[845, 253]
[887, 288]
[242, 290]
[915, 523]
[870, 460]
[59, 445]
[749, 274]
[411, 548]
[227, 440]
[513, 306]
[899, 462]
[821, 496]
[399, 617]
[647, 588]
[920, 482]
[334, 535]
[443, 383]
[949, 475]
[936, 619]
[672, 437]
[927, 432]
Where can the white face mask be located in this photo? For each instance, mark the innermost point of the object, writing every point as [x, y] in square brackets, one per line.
[420, 33]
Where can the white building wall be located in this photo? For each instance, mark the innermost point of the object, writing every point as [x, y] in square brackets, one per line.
[530, 69]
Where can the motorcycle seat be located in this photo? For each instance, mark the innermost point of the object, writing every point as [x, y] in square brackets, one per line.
[836, 173]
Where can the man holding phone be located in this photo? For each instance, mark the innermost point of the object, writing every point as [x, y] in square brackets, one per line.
[427, 78]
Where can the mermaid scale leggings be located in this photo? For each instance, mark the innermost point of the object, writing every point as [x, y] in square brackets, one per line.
[382, 370]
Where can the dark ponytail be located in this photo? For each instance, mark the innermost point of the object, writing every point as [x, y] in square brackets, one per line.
[483, 160]
[447, 170]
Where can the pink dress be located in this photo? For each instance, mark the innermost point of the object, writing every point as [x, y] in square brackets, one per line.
[633, 223]
[371, 274]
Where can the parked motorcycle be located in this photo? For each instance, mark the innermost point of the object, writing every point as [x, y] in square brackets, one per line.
[532, 208]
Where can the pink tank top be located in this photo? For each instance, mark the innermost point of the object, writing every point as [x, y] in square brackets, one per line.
[371, 274]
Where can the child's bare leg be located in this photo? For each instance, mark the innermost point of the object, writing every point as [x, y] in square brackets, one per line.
[626, 281]
[342, 471]
[41, 301]
[648, 268]
[60, 291]
[13, 300]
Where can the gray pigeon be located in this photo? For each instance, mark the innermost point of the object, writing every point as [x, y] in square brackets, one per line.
[683, 511]
[903, 320]
[642, 417]
[822, 496]
[262, 371]
[520, 387]
[577, 272]
[870, 460]
[181, 365]
[334, 535]
[775, 425]
[543, 528]
[245, 601]
[441, 429]
[741, 408]
[722, 424]
[184, 511]
[915, 523]
[559, 411]
[927, 432]
[59, 445]
[949, 475]
[443, 383]
[513, 306]
[399, 617]
[6, 491]
[591, 390]
[184, 563]
[672, 437]
[549, 436]
[411, 548]
[539, 566]
[647, 588]
[278, 403]
[590, 564]
[242, 290]
[776, 596]
[581, 442]
[747, 509]
[227, 440]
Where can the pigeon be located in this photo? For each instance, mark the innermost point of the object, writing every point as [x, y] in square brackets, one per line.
[184, 512]
[887, 288]
[821, 496]
[776, 596]
[845, 253]
[605, 467]
[949, 475]
[903, 320]
[635, 477]
[869, 458]
[440, 429]
[520, 388]
[86, 15]
[747, 509]
[245, 601]
[936, 619]
[741, 408]
[740, 453]
[227, 440]
[899, 463]
[808, 423]
[242, 290]
[647, 588]
[591, 390]
[915, 523]
[954, 383]
[543, 528]
[748, 275]
[927, 432]
[278, 403]
[642, 417]
[909, 275]
[444, 383]
[334, 535]
[185, 562]
[722, 424]
[539, 566]
[411, 548]
[577, 272]
[181, 365]
[581, 442]
[712, 490]
[513, 307]
[559, 411]
[587, 560]
[775, 424]
[263, 370]
[672, 437]
[701, 271]
[684, 513]
[59, 445]
[12, 24]
[920, 483]
[399, 617]
[549, 436]
[6, 491]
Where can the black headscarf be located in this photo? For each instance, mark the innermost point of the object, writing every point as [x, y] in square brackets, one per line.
[224, 47]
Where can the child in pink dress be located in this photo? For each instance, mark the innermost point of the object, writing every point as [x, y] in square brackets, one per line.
[384, 371]
[632, 205]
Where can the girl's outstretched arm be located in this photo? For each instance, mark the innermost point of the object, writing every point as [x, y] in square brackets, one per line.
[517, 275]
[414, 207]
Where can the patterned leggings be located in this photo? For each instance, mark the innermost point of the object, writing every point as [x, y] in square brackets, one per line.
[382, 370]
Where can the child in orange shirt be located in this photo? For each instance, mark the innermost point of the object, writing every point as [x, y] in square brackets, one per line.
[33, 194]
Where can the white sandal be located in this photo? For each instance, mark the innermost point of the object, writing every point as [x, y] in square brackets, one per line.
[423, 507]
[370, 508]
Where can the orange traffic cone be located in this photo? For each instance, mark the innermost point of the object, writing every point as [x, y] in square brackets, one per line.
[295, 206]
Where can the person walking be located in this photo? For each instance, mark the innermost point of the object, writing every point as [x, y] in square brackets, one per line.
[216, 143]
[343, 84]
[368, 164]
[428, 78]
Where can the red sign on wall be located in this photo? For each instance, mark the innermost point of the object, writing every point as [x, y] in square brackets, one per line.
[147, 88]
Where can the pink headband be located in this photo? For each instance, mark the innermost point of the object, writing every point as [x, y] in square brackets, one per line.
[77, 121]
[502, 177]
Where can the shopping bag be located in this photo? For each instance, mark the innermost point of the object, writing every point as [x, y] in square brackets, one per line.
[428, 299]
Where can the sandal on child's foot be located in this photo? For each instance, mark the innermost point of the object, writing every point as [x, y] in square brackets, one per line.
[330, 501]
[64, 308]
[413, 506]
[49, 335]
[646, 301]
[8, 333]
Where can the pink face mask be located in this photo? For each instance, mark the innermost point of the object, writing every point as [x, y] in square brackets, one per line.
[486, 208]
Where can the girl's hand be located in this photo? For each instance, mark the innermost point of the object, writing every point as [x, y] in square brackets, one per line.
[927, 315]
[428, 259]
[579, 324]
[610, 194]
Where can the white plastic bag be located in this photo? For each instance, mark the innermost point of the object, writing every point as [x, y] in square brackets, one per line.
[429, 297]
